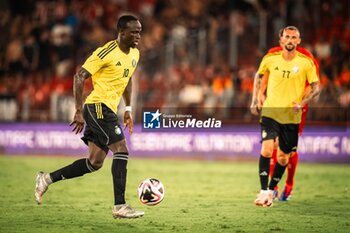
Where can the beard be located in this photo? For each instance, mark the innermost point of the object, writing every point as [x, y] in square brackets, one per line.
[289, 49]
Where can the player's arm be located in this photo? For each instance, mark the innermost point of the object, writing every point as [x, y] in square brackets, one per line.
[128, 121]
[262, 91]
[311, 94]
[254, 107]
[93, 64]
[312, 78]
[78, 85]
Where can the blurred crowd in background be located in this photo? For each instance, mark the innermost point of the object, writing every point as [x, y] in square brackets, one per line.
[195, 54]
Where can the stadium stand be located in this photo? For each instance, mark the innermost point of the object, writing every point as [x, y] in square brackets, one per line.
[210, 48]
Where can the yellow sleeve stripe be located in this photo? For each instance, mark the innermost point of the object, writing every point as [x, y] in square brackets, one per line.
[107, 50]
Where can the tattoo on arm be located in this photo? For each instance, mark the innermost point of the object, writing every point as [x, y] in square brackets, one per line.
[257, 85]
[78, 86]
[315, 91]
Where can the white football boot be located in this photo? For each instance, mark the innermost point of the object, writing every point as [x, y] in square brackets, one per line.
[126, 211]
[42, 183]
[261, 198]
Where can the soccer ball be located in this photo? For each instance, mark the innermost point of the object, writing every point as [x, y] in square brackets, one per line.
[151, 191]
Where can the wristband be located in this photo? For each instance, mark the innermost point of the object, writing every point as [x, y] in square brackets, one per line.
[128, 108]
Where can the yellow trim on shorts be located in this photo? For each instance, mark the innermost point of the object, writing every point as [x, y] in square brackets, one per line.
[99, 113]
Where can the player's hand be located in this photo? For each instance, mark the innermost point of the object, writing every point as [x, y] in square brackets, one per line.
[254, 108]
[128, 121]
[78, 122]
[297, 107]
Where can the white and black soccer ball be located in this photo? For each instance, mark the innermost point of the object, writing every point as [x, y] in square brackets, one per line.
[151, 191]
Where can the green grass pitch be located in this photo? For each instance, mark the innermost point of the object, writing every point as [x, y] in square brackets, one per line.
[201, 196]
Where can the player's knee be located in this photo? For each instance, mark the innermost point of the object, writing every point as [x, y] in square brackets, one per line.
[283, 159]
[96, 163]
[119, 147]
[267, 151]
[267, 148]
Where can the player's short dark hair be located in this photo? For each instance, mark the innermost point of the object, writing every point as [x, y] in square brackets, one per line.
[294, 28]
[124, 20]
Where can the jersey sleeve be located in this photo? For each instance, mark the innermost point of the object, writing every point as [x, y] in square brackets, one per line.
[94, 63]
[263, 67]
[312, 74]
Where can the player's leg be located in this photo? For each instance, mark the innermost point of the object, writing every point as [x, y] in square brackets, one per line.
[119, 170]
[280, 167]
[272, 166]
[95, 138]
[76, 169]
[273, 162]
[288, 141]
[117, 144]
[119, 173]
[292, 165]
[264, 162]
[81, 166]
[268, 134]
[264, 170]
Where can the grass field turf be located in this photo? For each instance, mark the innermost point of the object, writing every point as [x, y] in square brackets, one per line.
[201, 196]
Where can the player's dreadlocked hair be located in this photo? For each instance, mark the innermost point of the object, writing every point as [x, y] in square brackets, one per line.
[123, 21]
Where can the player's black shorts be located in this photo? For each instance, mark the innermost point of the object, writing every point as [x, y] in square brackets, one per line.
[287, 134]
[102, 126]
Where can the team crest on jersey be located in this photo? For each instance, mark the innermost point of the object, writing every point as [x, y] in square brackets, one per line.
[263, 134]
[133, 62]
[117, 130]
[295, 68]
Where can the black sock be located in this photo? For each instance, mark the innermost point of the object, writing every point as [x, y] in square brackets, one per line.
[77, 168]
[264, 170]
[119, 172]
[277, 175]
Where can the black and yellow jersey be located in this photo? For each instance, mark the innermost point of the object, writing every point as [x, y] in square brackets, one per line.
[286, 85]
[111, 70]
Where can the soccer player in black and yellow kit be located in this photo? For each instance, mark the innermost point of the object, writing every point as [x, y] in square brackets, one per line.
[110, 68]
[288, 71]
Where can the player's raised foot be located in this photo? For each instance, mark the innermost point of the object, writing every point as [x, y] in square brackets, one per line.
[261, 198]
[126, 211]
[286, 194]
[41, 186]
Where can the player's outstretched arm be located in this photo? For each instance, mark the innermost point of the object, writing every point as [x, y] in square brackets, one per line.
[78, 85]
[254, 107]
[128, 121]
